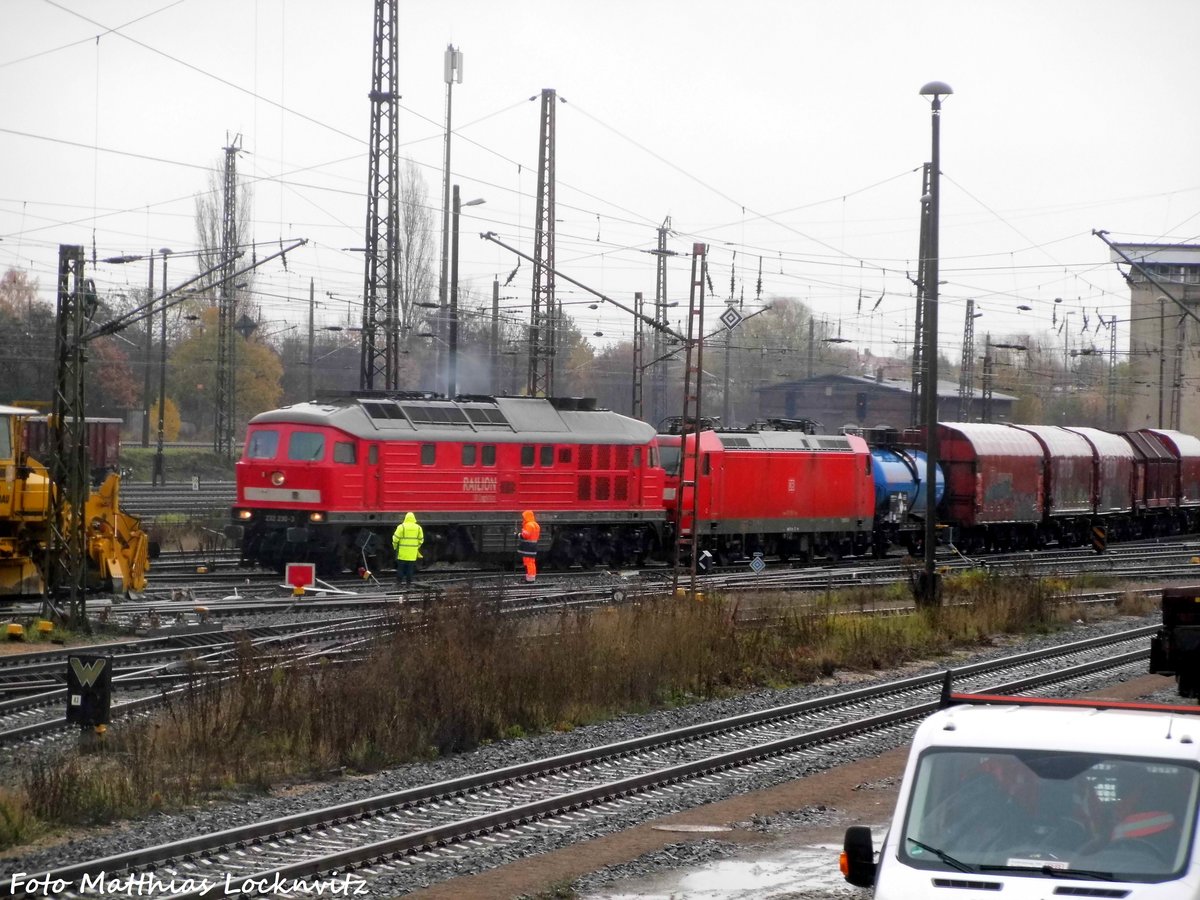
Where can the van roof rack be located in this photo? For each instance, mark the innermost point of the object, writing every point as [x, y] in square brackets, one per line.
[950, 698]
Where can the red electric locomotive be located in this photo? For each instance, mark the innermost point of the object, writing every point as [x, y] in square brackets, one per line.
[327, 481]
[783, 493]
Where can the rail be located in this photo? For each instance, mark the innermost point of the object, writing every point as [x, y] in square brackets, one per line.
[190, 499]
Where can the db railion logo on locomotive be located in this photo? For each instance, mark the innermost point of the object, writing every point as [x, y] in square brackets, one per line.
[480, 485]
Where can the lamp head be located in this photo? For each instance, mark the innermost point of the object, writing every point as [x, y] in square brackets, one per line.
[936, 89]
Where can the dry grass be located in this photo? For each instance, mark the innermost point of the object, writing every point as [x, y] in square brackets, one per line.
[468, 677]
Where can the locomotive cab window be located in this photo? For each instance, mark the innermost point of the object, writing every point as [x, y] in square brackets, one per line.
[468, 454]
[345, 452]
[373, 454]
[668, 458]
[263, 444]
[306, 446]
[489, 454]
[547, 456]
[527, 456]
[6, 450]
[428, 454]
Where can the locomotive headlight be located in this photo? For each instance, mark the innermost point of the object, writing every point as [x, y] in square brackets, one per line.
[243, 514]
[277, 479]
[316, 517]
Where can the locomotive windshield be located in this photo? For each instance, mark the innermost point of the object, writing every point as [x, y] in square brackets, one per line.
[263, 444]
[669, 458]
[306, 446]
[1042, 813]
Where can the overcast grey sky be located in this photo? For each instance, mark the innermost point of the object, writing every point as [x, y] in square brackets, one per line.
[784, 134]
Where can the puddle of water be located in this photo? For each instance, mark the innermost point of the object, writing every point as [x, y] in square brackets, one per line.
[808, 868]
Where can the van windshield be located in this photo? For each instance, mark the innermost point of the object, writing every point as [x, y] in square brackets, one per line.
[1026, 812]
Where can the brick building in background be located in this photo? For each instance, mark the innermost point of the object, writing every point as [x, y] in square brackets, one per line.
[837, 401]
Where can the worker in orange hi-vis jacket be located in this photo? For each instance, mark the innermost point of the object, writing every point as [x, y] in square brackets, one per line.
[527, 546]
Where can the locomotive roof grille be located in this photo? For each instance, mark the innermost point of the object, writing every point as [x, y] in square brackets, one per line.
[485, 416]
[382, 410]
[833, 443]
[430, 414]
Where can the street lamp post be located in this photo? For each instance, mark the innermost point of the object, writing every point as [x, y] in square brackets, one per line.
[160, 474]
[1162, 355]
[930, 593]
[452, 343]
[451, 73]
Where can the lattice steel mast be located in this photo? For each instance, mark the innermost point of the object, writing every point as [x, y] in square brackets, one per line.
[66, 568]
[659, 406]
[687, 546]
[380, 358]
[223, 427]
[966, 372]
[542, 336]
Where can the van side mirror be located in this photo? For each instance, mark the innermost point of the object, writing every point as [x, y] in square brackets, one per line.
[858, 856]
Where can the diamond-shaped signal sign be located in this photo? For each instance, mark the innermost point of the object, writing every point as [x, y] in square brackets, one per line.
[731, 318]
[757, 564]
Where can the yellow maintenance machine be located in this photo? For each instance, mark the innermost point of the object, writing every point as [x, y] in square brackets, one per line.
[116, 549]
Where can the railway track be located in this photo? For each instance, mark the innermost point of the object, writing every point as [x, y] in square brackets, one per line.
[205, 500]
[199, 591]
[33, 686]
[525, 807]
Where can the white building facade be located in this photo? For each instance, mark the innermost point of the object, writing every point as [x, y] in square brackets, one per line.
[1164, 329]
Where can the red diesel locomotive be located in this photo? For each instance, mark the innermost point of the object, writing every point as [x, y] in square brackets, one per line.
[327, 481]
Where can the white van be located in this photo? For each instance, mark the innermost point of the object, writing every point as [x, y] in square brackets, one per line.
[1041, 799]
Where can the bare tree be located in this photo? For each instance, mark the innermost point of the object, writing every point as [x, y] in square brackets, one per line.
[210, 224]
[416, 254]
